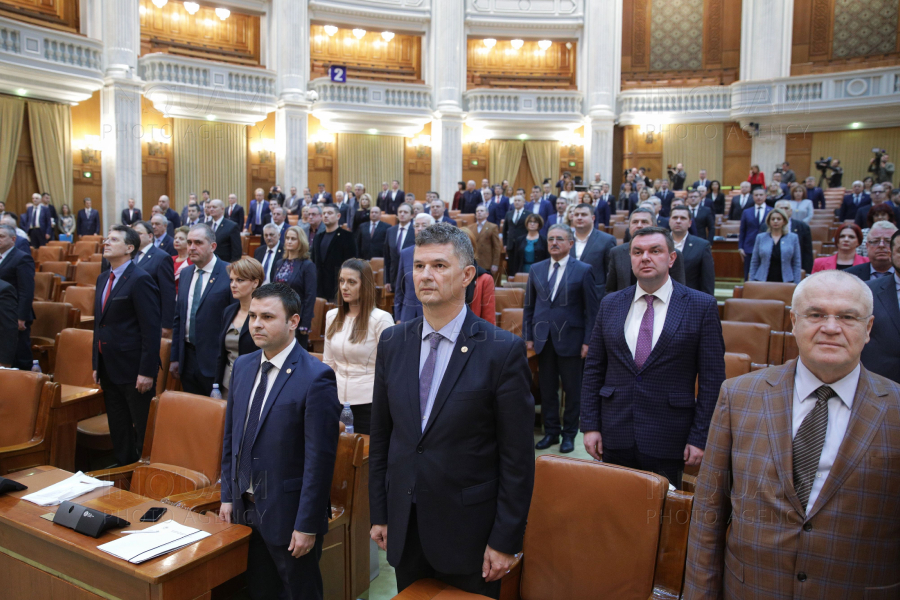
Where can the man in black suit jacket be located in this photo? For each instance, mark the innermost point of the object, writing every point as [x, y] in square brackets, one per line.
[880, 354]
[803, 233]
[130, 215]
[370, 235]
[161, 267]
[665, 196]
[88, 220]
[856, 199]
[452, 408]
[170, 214]
[9, 324]
[699, 270]
[740, 202]
[514, 227]
[592, 246]
[392, 248]
[814, 193]
[330, 249]
[395, 197]
[879, 251]
[703, 221]
[125, 352]
[204, 292]
[620, 275]
[37, 222]
[17, 269]
[161, 238]
[270, 252]
[321, 196]
[471, 198]
[228, 235]
[235, 211]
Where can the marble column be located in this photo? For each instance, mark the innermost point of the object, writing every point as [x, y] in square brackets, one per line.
[289, 49]
[447, 49]
[602, 54]
[768, 150]
[291, 150]
[120, 109]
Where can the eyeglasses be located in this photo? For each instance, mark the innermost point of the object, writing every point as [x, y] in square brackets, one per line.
[879, 242]
[815, 318]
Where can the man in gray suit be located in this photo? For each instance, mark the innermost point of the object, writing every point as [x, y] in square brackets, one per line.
[592, 246]
[620, 275]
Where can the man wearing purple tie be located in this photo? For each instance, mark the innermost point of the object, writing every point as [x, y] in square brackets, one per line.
[651, 342]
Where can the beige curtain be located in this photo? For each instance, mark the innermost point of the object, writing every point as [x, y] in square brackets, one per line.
[208, 156]
[51, 143]
[369, 160]
[543, 160]
[505, 156]
[697, 146]
[11, 112]
[854, 149]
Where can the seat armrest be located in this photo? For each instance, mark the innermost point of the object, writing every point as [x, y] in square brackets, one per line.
[116, 474]
[509, 583]
[202, 500]
[423, 589]
[23, 448]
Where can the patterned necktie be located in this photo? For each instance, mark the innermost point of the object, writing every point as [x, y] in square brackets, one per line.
[195, 304]
[427, 374]
[552, 282]
[253, 411]
[266, 264]
[808, 444]
[645, 334]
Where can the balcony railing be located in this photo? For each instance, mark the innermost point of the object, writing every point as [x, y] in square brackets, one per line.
[371, 106]
[709, 103]
[524, 103]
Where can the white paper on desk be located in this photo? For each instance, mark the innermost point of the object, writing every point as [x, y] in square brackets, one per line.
[156, 540]
[76, 485]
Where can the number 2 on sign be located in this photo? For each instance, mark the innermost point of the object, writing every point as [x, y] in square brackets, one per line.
[339, 74]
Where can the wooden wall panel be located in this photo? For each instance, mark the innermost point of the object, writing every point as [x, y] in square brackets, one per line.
[86, 121]
[158, 169]
[57, 14]
[261, 174]
[322, 161]
[173, 30]
[797, 152]
[639, 150]
[736, 150]
[416, 168]
[504, 67]
[369, 58]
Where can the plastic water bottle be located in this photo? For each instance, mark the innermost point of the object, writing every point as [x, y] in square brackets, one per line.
[347, 418]
[36, 368]
[215, 393]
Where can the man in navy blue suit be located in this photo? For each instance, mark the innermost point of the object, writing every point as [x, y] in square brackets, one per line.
[602, 208]
[259, 210]
[370, 235]
[125, 351]
[814, 193]
[406, 305]
[666, 196]
[540, 206]
[856, 199]
[499, 206]
[703, 220]
[651, 343]
[17, 269]
[88, 220]
[398, 237]
[160, 266]
[235, 211]
[161, 238]
[452, 408]
[560, 304]
[753, 221]
[439, 210]
[170, 214]
[204, 293]
[880, 354]
[36, 221]
[279, 450]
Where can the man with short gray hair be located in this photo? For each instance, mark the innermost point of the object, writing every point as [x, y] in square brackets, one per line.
[228, 237]
[878, 249]
[852, 202]
[161, 238]
[17, 269]
[880, 355]
[487, 241]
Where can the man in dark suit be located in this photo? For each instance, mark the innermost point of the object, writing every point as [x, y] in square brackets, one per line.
[539, 205]
[279, 451]
[406, 305]
[370, 236]
[192, 215]
[803, 233]
[170, 214]
[185, 216]
[620, 275]
[321, 196]
[471, 198]
[161, 238]
[547, 196]
[37, 222]
[498, 207]
[650, 345]
[130, 215]
[560, 305]
[665, 196]
[856, 199]
[699, 270]
[204, 293]
[228, 236]
[21, 241]
[514, 227]
[879, 250]
[450, 385]
[880, 354]
[126, 342]
[160, 266]
[54, 218]
[395, 197]
[235, 211]
[88, 220]
[398, 237]
[753, 221]
[592, 247]
[17, 269]
[703, 221]
[740, 202]
[814, 193]
[701, 181]
[330, 248]
[9, 324]
[438, 210]
[259, 210]
[602, 207]
[382, 200]
[270, 252]
[879, 197]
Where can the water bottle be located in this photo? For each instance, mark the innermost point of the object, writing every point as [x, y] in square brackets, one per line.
[215, 393]
[347, 418]
[36, 368]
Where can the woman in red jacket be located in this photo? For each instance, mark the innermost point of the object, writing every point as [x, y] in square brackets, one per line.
[757, 178]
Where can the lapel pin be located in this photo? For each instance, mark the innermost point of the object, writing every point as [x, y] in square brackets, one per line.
[288, 371]
[464, 349]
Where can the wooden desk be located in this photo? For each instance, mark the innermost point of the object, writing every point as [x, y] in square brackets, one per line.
[76, 403]
[727, 260]
[41, 560]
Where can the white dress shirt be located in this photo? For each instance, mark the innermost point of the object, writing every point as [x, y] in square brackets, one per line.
[208, 269]
[401, 235]
[639, 307]
[450, 332]
[805, 385]
[216, 224]
[143, 252]
[579, 245]
[679, 245]
[559, 275]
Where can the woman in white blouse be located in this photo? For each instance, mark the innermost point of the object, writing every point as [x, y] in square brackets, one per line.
[801, 206]
[351, 342]
[569, 192]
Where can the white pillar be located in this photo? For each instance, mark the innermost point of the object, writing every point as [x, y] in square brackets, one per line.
[448, 53]
[289, 51]
[768, 151]
[120, 109]
[603, 57]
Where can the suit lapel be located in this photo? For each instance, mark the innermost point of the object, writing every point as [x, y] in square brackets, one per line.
[117, 287]
[216, 273]
[412, 355]
[674, 314]
[779, 402]
[887, 295]
[563, 281]
[287, 369]
[541, 274]
[625, 299]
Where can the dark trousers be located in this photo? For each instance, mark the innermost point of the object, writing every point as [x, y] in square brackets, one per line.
[272, 573]
[551, 369]
[192, 380]
[36, 235]
[413, 566]
[23, 348]
[362, 418]
[671, 469]
[127, 411]
[747, 267]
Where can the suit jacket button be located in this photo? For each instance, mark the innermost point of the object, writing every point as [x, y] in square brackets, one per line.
[409, 491]
[638, 378]
[801, 576]
[420, 449]
[807, 527]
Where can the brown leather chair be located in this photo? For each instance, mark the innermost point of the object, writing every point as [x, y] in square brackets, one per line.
[50, 254]
[178, 456]
[508, 298]
[46, 286]
[25, 400]
[84, 274]
[770, 312]
[50, 319]
[730, 229]
[82, 298]
[317, 327]
[61, 268]
[96, 257]
[64, 245]
[511, 320]
[736, 364]
[633, 529]
[769, 290]
[755, 340]
[376, 262]
[391, 220]
[82, 250]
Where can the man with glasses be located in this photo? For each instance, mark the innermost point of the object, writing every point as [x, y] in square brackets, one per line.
[878, 247]
[799, 478]
[879, 197]
[880, 355]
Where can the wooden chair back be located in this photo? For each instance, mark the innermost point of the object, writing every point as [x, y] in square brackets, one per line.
[25, 401]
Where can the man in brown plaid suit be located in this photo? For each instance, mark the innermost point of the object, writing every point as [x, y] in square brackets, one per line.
[798, 495]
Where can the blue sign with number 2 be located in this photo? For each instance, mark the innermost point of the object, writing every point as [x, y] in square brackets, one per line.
[338, 74]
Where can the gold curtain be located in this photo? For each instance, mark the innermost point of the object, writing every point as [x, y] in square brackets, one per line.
[208, 156]
[11, 112]
[543, 159]
[697, 146]
[51, 143]
[505, 156]
[369, 160]
[854, 149]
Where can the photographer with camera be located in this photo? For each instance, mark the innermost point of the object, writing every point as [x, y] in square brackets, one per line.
[881, 167]
[677, 176]
[837, 172]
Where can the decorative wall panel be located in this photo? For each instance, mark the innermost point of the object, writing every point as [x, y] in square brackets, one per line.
[368, 58]
[864, 28]
[58, 14]
[526, 68]
[676, 35]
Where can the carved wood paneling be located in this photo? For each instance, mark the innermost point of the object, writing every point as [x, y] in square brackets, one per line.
[369, 58]
[640, 37]
[58, 14]
[821, 26]
[712, 46]
[529, 67]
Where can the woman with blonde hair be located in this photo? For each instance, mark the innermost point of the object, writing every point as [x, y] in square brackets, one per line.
[246, 275]
[569, 192]
[776, 253]
[352, 331]
[362, 213]
[298, 271]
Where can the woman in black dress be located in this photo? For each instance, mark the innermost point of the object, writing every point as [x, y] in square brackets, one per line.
[299, 272]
